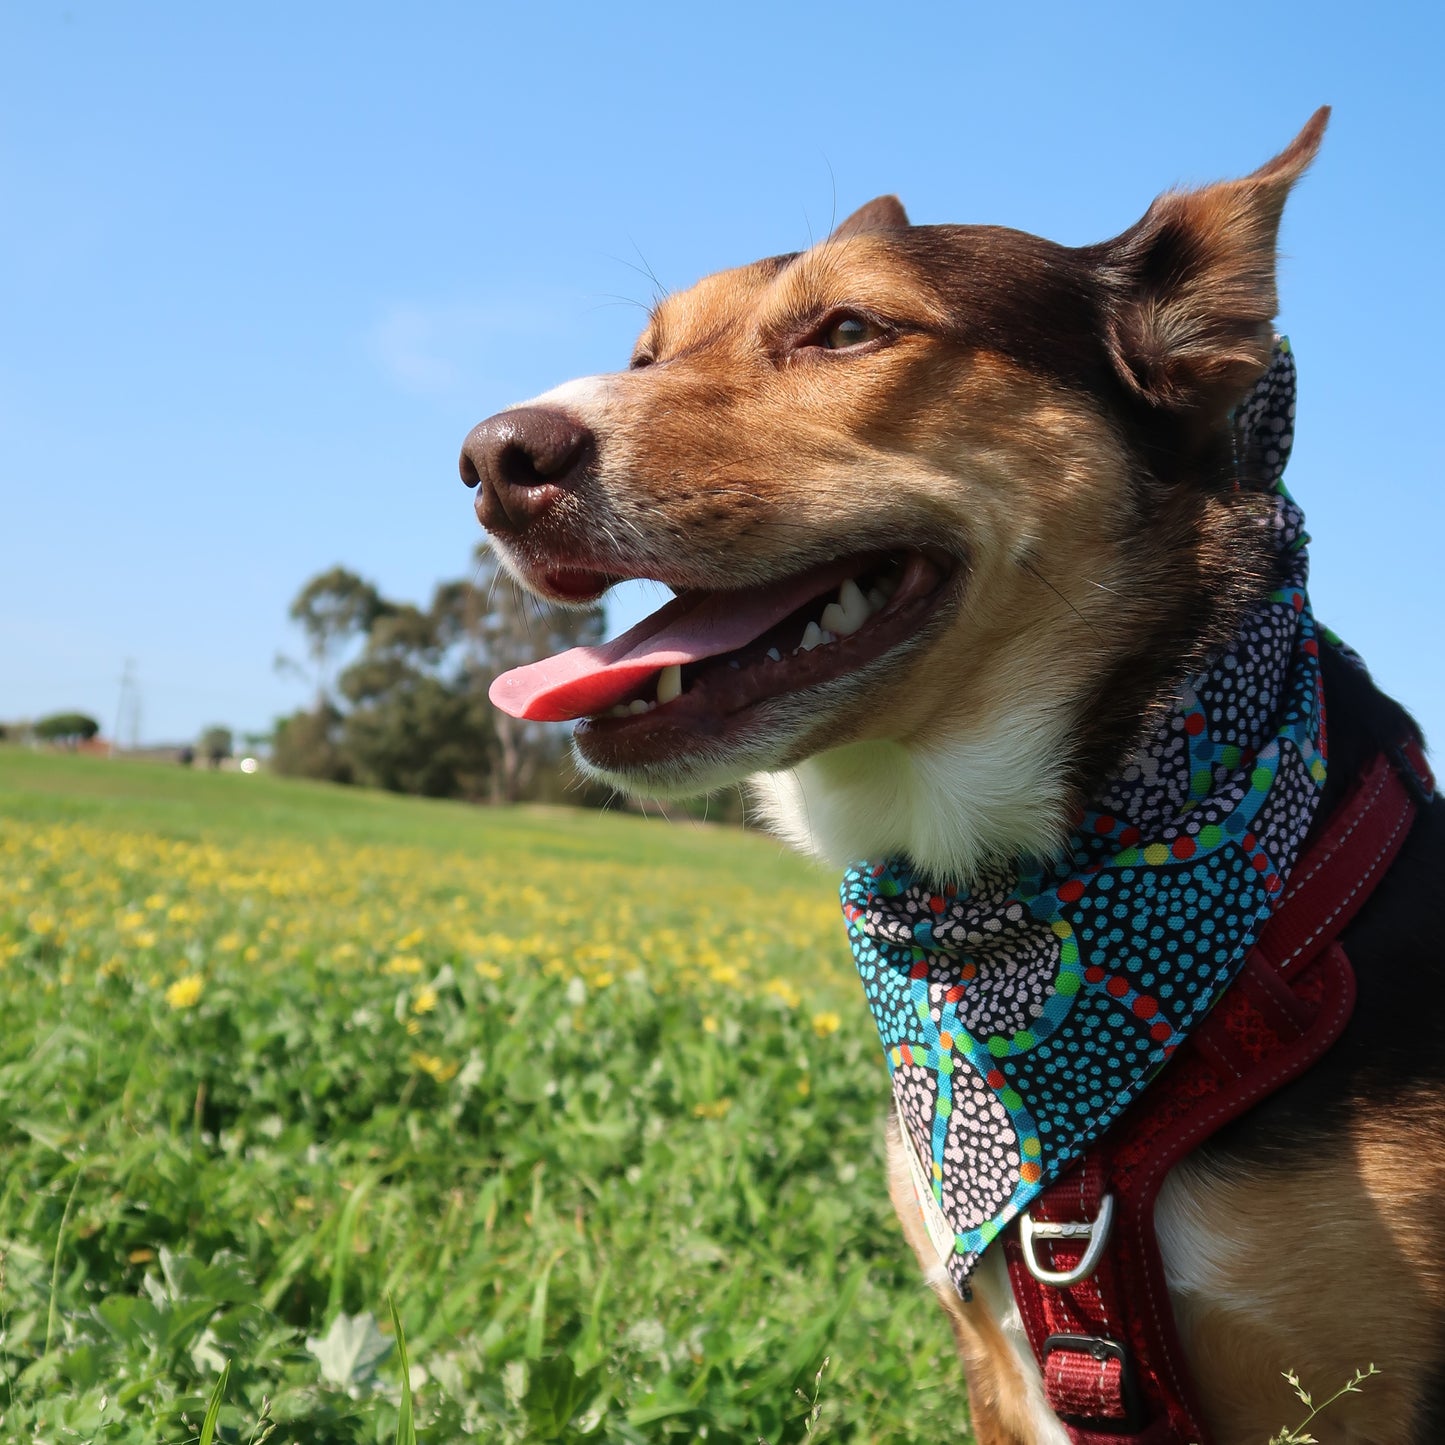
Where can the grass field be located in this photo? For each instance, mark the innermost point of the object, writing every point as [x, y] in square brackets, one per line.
[593, 1099]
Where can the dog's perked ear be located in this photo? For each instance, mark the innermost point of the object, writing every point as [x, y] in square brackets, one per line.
[883, 213]
[1192, 287]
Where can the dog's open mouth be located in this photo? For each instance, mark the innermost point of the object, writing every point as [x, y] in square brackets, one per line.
[705, 657]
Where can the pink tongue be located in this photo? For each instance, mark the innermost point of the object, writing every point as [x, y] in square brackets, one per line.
[589, 680]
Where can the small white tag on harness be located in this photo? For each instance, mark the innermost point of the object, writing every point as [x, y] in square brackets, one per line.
[937, 1226]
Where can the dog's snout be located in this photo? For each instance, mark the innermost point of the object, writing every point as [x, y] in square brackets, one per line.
[521, 461]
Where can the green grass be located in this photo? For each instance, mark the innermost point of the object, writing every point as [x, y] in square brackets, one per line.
[186, 803]
[591, 1099]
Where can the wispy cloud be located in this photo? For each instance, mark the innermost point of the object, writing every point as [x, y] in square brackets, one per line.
[440, 349]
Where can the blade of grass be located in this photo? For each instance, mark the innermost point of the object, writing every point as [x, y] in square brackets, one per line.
[406, 1416]
[50, 1314]
[537, 1317]
[213, 1409]
[588, 1349]
[341, 1250]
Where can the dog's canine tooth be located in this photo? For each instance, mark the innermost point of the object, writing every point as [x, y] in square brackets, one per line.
[854, 604]
[812, 636]
[669, 683]
[774, 655]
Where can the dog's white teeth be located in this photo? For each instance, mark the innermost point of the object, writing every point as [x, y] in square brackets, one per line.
[639, 705]
[828, 636]
[619, 711]
[854, 604]
[876, 600]
[774, 655]
[669, 683]
[845, 616]
[837, 621]
[812, 636]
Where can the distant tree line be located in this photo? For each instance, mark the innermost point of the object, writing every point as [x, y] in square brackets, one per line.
[59, 729]
[401, 690]
[68, 729]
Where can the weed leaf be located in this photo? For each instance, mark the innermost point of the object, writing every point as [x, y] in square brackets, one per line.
[350, 1352]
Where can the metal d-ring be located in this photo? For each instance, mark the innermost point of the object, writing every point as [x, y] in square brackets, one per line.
[1096, 1231]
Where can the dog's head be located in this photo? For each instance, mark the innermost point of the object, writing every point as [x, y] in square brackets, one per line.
[947, 510]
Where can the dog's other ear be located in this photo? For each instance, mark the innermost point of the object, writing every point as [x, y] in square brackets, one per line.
[884, 213]
[1193, 287]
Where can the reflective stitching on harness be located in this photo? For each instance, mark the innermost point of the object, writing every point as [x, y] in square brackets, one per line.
[1367, 881]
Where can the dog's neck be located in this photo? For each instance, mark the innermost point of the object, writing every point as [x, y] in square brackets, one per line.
[997, 794]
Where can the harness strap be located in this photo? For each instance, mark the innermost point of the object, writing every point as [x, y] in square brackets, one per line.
[1103, 1332]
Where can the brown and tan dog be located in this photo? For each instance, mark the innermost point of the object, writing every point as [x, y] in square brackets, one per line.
[947, 510]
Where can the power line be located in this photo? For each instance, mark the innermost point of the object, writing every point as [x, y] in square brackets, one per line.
[128, 688]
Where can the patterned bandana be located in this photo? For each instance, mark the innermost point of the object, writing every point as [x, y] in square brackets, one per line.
[1020, 1016]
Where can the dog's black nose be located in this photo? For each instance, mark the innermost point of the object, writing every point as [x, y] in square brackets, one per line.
[521, 461]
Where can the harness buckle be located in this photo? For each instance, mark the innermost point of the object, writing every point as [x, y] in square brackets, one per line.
[1129, 1416]
[1096, 1231]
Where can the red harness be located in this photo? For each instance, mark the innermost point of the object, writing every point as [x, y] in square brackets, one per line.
[1084, 1260]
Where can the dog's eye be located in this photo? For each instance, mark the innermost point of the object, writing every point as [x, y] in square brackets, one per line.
[848, 331]
[640, 360]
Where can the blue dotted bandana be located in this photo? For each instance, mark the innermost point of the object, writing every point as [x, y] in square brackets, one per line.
[1022, 1014]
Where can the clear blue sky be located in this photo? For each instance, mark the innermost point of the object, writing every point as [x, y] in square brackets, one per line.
[262, 265]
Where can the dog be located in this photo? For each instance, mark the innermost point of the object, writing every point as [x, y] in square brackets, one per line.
[950, 515]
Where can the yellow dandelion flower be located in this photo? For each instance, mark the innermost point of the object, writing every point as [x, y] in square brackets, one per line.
[715, 1110]
[425, 1000]
[413, 1027]
[439, 1069]
[709, 1025]
[781, 989]
[185, 992]
[403, 963]
[826, 1023]
[487, 970]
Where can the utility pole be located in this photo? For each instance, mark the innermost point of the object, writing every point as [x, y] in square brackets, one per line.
[127, 693]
